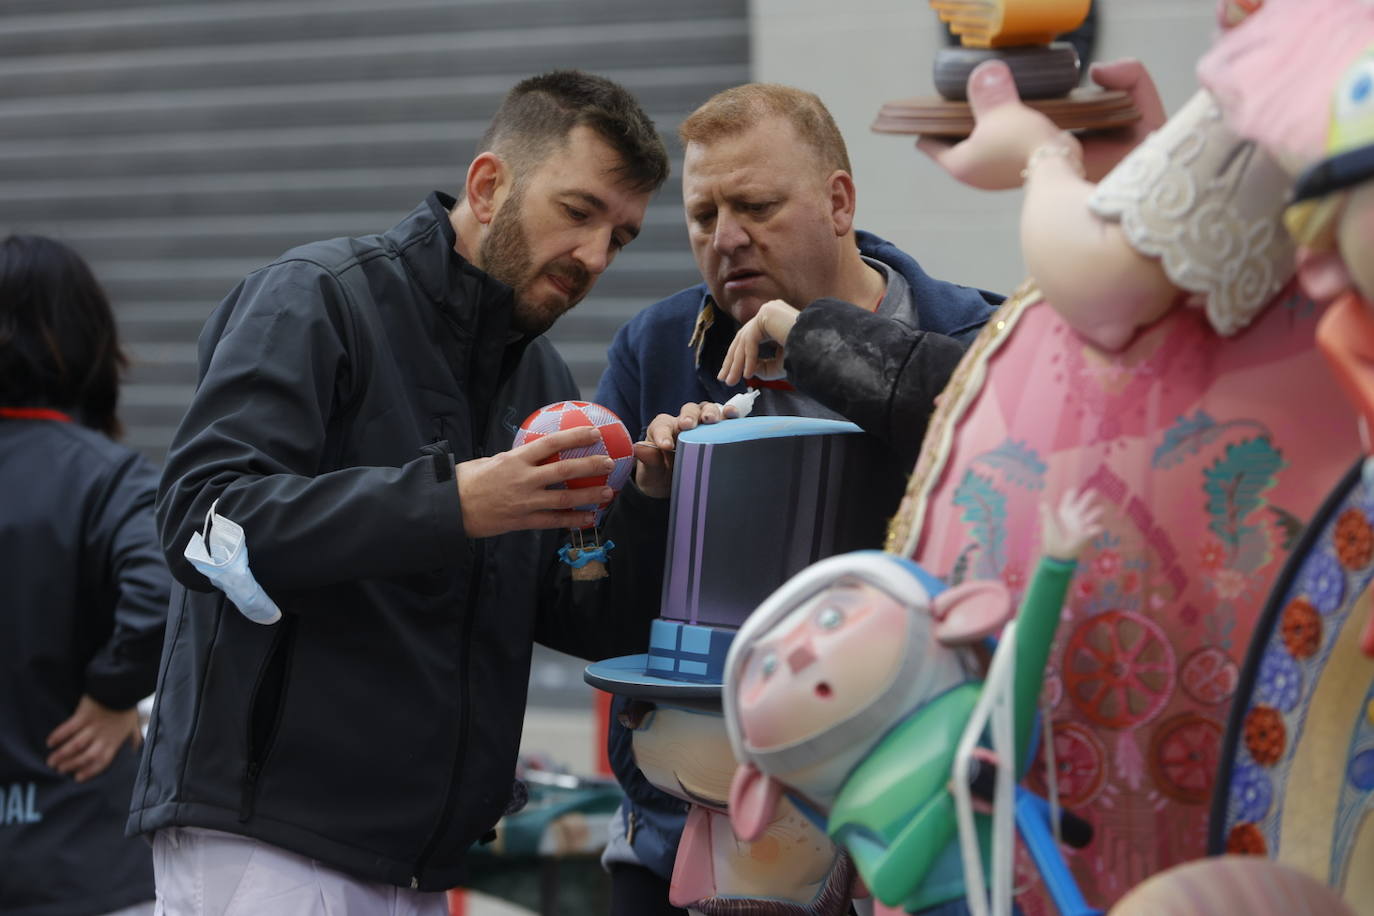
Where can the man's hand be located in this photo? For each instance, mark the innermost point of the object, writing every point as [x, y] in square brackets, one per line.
[509, 491]
[772, 324]
[654, 456]
[85, 744]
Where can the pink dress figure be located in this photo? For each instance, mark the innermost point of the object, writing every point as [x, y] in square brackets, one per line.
[1162, 357]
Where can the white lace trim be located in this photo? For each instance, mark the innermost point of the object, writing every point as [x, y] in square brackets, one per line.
[1209, 206]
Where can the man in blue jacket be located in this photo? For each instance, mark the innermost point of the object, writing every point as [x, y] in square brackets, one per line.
[830, 322]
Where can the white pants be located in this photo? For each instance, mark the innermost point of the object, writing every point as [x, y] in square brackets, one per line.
[209, 873]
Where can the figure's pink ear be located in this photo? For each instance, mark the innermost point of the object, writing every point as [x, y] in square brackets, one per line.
[753, 801]
[970, 611]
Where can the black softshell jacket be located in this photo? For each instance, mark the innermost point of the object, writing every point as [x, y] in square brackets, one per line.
[375, 727]
[83, 600]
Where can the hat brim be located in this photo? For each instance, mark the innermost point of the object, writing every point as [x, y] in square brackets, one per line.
[1335, 173]
[628, 676]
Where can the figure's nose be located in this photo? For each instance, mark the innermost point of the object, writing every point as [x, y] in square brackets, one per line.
[801, 657]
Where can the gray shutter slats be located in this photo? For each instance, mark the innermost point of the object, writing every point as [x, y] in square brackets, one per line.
[179, 145]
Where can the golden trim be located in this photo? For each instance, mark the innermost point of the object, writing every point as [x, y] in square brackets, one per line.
[964, 387]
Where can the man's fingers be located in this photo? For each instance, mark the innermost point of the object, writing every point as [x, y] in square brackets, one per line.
[546, 446]
[565, 498]
[573, 468]
[710, 413]
[662, 432]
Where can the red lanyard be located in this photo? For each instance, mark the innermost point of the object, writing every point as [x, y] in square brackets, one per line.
[34, 413]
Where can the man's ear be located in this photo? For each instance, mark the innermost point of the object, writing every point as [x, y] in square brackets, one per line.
[843, 200]
[487, 184]
[753, 802]
[968, 612]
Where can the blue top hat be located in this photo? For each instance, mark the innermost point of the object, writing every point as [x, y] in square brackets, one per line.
[755, 501]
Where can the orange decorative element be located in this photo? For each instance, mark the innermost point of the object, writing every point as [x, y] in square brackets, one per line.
[1301, 626]
[1183, 757]
[1079, 763]
[1354, 539]
[1246, 840]
[1010, 23]
[1119, 669]
[1345, 336]
[1209, 676]
[1265, 735]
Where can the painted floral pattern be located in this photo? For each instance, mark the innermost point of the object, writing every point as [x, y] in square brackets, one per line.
[1205, 482]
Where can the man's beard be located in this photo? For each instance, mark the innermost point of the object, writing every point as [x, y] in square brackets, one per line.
[505, 255]
[833, 899]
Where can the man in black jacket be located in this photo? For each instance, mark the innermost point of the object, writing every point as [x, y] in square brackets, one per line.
[356, 407]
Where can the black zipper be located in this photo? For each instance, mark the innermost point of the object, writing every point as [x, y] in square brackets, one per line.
[450, 795]
[275, 667]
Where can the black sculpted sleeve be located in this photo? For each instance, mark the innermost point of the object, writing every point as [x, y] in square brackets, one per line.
[879, 374]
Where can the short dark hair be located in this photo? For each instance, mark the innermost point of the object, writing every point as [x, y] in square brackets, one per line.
[539, 113]
[59, 347]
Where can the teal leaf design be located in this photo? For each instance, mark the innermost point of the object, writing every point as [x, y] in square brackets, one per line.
[960, 570]
[1187, 436]
[1235, 486]
[1018, 462]
[1291, 526]
[985, 509]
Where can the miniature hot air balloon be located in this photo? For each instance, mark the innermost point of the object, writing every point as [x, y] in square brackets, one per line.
[585, 552]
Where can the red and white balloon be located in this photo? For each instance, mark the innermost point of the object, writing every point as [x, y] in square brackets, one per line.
[615, 442]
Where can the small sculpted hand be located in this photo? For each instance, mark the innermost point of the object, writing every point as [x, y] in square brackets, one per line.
[1005, 133]
[772, 324]
[509, 491]
[1065, 531]
[654, 462]
[86, 742]
[1103, 149]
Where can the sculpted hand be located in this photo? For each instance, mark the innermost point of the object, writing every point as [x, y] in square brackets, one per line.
[1064, 532]
[772, 324]
[654, 456]
[85, 744]
[1005, 133]
[1102, 150]
[509, 491]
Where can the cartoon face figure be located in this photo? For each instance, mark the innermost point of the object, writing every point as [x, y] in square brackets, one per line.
[826, 660]
[792, 868]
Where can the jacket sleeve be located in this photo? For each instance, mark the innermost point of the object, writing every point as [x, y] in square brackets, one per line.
[879, 374]
[605, 618]
[619, 390]
[275, 365]
[124, 669]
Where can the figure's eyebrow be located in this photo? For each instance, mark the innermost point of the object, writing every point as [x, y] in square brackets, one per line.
[599, 205]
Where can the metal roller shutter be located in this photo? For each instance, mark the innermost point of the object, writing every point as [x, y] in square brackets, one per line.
[180, 145]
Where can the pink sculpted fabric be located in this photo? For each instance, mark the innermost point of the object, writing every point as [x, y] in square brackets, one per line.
[1208, 455]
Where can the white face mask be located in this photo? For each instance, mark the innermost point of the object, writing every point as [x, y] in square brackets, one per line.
[223, 559]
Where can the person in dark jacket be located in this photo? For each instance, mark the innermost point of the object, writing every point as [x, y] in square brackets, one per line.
[769, 202]
[85, 595]
[354, 418]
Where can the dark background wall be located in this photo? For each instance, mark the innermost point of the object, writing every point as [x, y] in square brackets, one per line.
[178, 145]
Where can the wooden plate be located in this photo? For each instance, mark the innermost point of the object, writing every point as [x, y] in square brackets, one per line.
[1082, 109]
